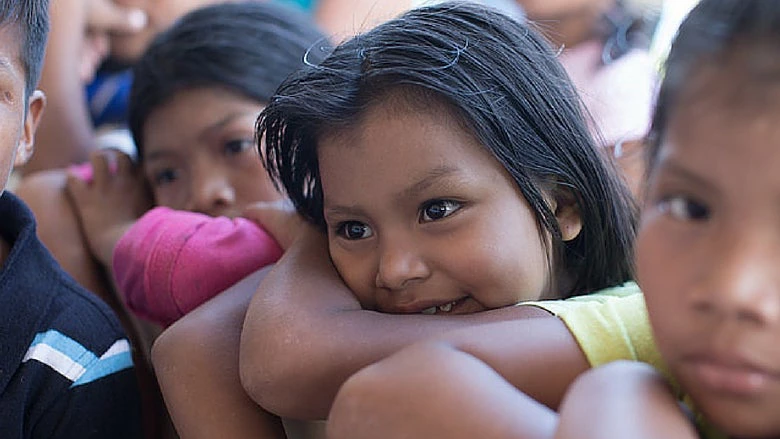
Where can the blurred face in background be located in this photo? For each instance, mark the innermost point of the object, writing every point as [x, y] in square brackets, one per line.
[556, 9]
[160, 15]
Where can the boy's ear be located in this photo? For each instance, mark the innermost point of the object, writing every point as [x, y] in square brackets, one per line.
[27, 142]
[567, 213]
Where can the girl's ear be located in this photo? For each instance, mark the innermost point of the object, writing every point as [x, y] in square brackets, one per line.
[567, 213]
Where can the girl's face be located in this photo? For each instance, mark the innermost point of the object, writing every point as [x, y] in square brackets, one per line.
[422, 218]
[205, 161]
[709, 251]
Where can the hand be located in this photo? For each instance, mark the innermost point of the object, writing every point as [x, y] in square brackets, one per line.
[106, 16]
[109, 204]
[279, 218]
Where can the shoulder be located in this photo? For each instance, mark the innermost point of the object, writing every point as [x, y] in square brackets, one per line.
[609, 325]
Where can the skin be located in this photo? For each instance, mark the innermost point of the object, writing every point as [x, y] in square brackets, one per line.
[19, 114]
[215, 170]
[712, 209]
[715, 311]
[229, 411]
[76, 46]
[305, 299]
[566, 22]
[417, 233]
[198, 161]
[205, 162]
[160, 14]
[622, 399]
[343, 18]
[340, 18]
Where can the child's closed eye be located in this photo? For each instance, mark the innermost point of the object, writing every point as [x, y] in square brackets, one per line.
[435, 210]
[684, 208]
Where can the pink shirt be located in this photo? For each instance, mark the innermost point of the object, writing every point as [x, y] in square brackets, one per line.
[172, 261]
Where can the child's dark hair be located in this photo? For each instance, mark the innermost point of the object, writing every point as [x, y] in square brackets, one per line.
[31, 19]
[504, 84]
[713, 31]
[248, 48]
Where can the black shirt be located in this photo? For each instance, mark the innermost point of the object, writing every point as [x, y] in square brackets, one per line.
[65, 363]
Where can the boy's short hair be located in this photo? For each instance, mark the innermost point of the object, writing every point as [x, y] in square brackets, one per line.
[31, 18]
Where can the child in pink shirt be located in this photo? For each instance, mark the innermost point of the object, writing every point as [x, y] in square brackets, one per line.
[170, 261]
[202, 167]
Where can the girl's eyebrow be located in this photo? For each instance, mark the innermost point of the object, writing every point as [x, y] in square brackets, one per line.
[203, 134]
[676, 170]
[431, 178]
[209, 130]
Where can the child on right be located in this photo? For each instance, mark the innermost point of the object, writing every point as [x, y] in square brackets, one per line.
[707, 255]
[712, 210]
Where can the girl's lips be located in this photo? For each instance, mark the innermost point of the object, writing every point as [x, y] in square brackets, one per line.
[730, 377]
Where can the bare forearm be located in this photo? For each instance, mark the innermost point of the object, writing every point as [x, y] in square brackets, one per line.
[622, 400]
[305, 334]
[454, 395]
[196, 361]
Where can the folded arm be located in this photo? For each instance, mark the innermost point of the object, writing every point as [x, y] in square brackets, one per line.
[620, 400]
[305, 334]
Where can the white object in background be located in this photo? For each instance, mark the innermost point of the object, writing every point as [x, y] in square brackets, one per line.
[672, 15]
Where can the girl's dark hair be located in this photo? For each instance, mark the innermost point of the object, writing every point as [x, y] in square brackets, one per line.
[714, 30]
[248, 48]
[504, 84]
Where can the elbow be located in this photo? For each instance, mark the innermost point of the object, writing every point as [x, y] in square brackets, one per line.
[360, 407]
[273, 377]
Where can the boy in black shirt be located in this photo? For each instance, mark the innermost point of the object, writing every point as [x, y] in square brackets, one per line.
[65, 364]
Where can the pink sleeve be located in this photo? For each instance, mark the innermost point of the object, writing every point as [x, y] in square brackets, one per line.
[172, 261]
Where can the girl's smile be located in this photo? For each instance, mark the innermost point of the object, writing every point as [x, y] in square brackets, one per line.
[445, 232]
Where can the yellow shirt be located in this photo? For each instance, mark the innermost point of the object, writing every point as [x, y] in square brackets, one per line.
[612, 324]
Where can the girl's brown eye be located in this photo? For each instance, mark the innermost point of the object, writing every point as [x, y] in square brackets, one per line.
[438, 209]
[684, 209]
[165, 176]
[354, 230]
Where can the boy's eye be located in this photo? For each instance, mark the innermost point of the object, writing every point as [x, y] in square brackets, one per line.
[237, 146]
[438, 209]
[354, 230]
[165, 176]
[684, 209]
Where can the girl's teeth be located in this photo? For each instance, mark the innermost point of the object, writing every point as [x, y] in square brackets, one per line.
[446, 308]
[442, 308]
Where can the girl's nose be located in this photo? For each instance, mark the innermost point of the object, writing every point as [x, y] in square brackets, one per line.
[213, 194]
[741, 283]
[400, 265]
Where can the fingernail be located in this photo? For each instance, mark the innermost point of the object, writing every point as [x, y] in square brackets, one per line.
[137, 19]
